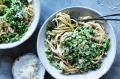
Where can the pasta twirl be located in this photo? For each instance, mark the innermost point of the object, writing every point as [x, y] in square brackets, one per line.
[75, 47]
[15, 17]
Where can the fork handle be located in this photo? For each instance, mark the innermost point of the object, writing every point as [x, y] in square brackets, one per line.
[99, 19]
[117, 14]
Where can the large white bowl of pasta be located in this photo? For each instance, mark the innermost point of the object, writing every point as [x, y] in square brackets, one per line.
[70, 49]
[18, 21]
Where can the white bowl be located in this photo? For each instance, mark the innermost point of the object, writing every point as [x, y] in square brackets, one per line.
[31, 28]
[107, 61]
[25, 61]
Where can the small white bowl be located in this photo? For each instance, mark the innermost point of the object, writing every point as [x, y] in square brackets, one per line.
[30, 30]
[26, 61]
[107, 61]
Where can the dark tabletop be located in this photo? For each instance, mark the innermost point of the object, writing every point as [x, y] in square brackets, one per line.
[48, 7]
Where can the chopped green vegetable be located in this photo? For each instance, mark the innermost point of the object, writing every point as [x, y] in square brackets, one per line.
[75, 50]
[14, 20]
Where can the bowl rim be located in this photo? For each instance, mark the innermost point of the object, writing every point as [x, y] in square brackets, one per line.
[29, 32]
[70, 8]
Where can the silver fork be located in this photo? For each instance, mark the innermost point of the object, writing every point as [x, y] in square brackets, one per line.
[98, 18]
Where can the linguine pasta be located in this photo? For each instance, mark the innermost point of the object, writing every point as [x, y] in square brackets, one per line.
[75, 47]
[15, 17]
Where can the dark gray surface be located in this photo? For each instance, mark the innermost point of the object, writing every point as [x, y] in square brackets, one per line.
[48, 7]
[5, 67]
